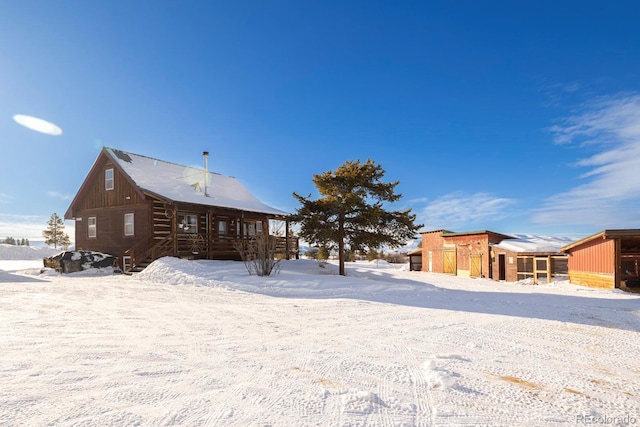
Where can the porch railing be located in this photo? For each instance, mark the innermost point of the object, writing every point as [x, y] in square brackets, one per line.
[149, 249]
[218, 248]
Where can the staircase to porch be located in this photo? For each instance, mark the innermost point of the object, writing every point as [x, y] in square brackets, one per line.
[139, 266]
[147, 251]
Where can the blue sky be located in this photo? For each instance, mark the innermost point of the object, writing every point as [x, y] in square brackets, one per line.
[511, 116]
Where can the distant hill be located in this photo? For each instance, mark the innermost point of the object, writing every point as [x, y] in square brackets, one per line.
[14, 252]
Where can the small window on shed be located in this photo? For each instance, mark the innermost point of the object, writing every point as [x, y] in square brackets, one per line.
[108, 179]
[560, 265]
[525, 264]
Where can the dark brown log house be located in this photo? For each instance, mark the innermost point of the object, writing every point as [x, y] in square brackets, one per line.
[139, 209]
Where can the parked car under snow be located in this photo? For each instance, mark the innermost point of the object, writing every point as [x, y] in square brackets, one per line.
[74, 261]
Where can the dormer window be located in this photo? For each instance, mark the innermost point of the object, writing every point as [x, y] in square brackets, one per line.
[108, 179]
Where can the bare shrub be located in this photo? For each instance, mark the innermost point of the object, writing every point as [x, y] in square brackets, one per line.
[397, 258]
[258, 254]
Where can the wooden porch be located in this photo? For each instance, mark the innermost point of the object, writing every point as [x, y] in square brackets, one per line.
[144, 253]
[188, 231]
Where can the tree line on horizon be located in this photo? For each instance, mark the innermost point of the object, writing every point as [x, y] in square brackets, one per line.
[16, 242]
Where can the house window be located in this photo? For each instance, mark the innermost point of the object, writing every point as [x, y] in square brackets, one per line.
[222, 228]
[128, 224]
[108, 179]
[126, 263]
[259, 228]
[188, 223]
[249, 229]
[92, 230]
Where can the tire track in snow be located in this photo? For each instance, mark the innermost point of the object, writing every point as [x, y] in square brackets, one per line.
[382, 414]
[423, 400]
[333, 406]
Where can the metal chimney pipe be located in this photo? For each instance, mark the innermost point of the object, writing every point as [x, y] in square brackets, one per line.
[205, 154]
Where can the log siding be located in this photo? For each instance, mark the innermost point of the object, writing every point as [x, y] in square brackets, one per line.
[156, 232]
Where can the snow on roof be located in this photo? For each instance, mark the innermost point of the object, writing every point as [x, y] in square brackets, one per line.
[533, 243]
[187, 184]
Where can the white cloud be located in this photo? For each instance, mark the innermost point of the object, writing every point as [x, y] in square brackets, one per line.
[57, 195]
[37, 124]
[610, 194]
[29, 227]
[463, 211]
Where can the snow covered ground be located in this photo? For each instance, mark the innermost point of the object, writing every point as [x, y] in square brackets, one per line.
[202, 343]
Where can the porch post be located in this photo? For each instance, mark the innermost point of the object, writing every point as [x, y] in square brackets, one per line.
[210, 228]
[174, 230]
[287, 249]
[617, 263]
[242, 227]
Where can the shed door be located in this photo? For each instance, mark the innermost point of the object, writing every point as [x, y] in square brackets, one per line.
[502, 267]
[449, 257]
[475, 262]
[540, 266]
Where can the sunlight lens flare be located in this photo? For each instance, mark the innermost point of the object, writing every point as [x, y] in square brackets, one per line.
[37, 124]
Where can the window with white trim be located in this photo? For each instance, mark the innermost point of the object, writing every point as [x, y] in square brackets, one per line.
[108, 179]
[129, 224]
[126, 262]
[92, 229]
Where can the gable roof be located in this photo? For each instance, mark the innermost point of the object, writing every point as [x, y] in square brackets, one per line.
[435, 231]
[604, 234]
[186, 184]
[470, 233]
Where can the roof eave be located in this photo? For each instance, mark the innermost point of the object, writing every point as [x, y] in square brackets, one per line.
[605, 234]
[476, 232]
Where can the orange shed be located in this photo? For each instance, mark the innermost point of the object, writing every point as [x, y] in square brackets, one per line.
[608, 259]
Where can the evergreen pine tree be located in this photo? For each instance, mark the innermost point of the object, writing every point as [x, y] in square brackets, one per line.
[349, 214]
[65, 242]
[323, 253]
[54, 233]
